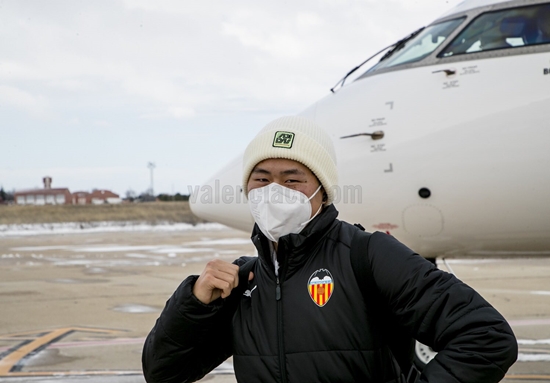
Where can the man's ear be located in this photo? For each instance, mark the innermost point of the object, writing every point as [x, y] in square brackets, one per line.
[325, 196]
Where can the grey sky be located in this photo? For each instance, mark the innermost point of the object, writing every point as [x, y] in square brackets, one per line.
[91, 91]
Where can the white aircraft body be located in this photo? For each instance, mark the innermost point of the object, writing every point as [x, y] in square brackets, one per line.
[458, 157]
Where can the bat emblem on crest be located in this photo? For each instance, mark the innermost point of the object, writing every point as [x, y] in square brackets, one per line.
[320, 286]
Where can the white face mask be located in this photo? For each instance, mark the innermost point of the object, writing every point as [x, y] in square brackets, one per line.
[279, 210]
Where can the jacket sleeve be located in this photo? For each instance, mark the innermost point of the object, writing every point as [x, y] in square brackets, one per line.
[189, 338]
[473, 340]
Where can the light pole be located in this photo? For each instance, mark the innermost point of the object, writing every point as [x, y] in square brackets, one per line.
[151, 167]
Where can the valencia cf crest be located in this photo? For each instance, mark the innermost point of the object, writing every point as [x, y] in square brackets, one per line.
[320, 286]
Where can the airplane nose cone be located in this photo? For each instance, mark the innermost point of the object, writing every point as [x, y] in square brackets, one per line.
[222, 200]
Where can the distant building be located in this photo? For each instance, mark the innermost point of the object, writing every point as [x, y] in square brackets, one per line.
[104, 196]
[82, 198]
[97, 197]
[46, 196]
[62, 196]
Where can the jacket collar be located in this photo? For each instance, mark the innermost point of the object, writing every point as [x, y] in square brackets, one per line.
[294, 249]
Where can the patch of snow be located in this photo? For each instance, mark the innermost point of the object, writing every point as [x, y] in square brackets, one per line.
[100, 227]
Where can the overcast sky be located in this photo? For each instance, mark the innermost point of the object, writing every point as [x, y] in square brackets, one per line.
[91, 91]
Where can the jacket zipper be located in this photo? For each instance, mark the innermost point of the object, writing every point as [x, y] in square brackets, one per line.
[282, 364]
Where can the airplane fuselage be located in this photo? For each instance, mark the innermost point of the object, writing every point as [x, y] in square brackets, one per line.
[463, 165]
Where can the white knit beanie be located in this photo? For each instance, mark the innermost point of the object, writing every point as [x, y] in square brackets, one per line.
[299, 139]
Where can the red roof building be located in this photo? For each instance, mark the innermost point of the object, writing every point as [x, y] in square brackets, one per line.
[46, 196]
[62, 196]
[82, 198]
[104, 196]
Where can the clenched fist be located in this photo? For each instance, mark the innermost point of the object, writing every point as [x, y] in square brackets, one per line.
[217, 279]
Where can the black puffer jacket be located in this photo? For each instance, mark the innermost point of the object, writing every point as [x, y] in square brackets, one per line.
[311, 324]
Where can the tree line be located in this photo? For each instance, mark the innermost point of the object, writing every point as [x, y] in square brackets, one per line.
[6, 197]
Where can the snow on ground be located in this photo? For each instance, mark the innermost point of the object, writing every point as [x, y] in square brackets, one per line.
[99, 227]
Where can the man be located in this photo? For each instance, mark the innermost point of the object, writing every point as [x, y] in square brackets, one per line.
[301, 316]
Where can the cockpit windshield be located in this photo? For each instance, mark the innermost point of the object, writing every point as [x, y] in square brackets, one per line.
[503, 29]
[421, 45]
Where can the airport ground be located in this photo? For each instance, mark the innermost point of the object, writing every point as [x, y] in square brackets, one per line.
[76, 307]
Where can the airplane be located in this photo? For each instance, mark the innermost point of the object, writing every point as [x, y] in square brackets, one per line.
[443, 142]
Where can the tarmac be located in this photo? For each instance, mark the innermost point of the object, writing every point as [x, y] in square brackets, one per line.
[76, 307]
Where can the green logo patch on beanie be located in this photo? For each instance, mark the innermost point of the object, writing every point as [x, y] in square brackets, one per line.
[283, 140]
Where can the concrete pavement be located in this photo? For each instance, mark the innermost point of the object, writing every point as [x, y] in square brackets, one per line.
[76, 307]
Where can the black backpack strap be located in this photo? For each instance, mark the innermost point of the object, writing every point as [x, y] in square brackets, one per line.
[244, 271]
[400, 343]
[246, 265]
[360, 261]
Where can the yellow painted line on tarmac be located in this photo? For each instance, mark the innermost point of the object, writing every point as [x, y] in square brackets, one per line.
[528, 377]
[9, 361]
[73, 373]
[42, 339]
[33, 334]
